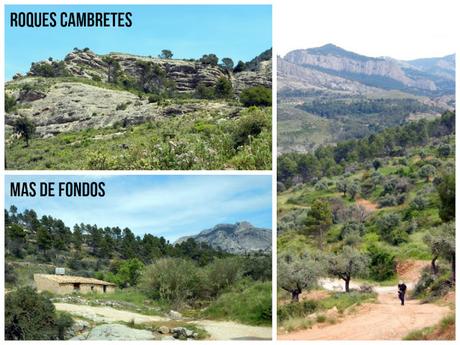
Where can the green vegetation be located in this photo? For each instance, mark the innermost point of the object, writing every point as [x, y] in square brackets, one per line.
[295, 316]
[193, 142]
[202, 136]
[256, 96]
[363, 107]
[356, 210]
[445, 330]
[152, 275]
[249, 304]
[32, 316]
[25, 128]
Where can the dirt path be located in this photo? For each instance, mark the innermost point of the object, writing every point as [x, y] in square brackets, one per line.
[218, 330]
[384, 320]
[106, 314]
[368, 205]
[228, 330]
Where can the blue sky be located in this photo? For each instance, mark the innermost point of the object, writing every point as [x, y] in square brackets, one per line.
[169, 206]
[237, 31]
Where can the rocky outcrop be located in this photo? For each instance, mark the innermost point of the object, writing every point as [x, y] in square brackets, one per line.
[58, 102]
[114, 331]
[71, 106]
[185, 74]
[418, 76]
[236, 238]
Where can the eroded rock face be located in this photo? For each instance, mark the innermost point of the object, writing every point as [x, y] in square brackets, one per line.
[185, 74]
[59, 105]
[238, 238]
[72, 106]
[424, 75]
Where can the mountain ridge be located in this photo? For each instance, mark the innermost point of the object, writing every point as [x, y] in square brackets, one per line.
[239, 238]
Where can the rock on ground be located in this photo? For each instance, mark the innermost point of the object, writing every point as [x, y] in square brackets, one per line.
[116, 332]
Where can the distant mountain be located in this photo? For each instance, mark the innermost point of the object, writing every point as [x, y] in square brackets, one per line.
[432, 76]
[328, 94]
[237, 238]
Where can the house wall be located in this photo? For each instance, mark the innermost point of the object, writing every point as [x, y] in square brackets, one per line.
[45, 284]
[86, 288]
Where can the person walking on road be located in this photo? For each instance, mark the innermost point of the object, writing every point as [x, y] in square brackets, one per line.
[402, 291]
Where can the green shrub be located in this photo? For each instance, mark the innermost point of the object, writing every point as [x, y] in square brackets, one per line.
[250, 125]
[171, 279]
[382, 263]
[31, 316]
[295, 310]
[256, 96]
[10, 103]
[250, 305]
[154, 98]
[223, 88]
[205, 92]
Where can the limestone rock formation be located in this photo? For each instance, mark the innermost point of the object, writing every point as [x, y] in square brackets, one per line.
[237, 238]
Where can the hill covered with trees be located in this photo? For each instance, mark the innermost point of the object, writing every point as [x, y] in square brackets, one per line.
[152, 275]
[363, 214]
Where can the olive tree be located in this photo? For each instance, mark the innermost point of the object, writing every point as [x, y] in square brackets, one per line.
[442, 244]
[427, 171]
[348, 263]
[297, 273]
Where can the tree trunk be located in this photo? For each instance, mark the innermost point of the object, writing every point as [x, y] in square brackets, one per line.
[295, 295]
[347, 285]
[434, 268]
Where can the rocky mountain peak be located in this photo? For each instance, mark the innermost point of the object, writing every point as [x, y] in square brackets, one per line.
[241, 237]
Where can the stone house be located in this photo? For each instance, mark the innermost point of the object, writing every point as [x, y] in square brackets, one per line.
[63, 284]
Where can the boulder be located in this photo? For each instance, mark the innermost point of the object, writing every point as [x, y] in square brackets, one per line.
[163, 330]
[175, 315]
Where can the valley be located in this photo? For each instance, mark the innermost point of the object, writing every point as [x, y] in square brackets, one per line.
[328, 94]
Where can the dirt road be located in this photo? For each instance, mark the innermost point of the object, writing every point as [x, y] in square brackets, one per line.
[218, 330]
[384, 320]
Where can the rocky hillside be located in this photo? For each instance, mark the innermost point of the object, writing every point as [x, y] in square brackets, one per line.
[334, 68]
[87, 90]
[236, 238]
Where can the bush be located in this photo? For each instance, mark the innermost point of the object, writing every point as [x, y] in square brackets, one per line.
[252, 125]
[173, 280]
[382, 263]
[256, 96]
[31, 316]
[222, 273]
[205, 92]
[430, 287]
[223, 88]
[294, 310]
[154, 98]
[10, 103]
[247, 304]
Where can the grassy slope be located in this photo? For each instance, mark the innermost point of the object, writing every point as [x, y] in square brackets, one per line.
[195, 141]
[301, 197]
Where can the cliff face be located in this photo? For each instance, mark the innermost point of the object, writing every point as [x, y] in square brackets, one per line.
[236, 238]
[185, 74]
[424, 75]
[79, 92]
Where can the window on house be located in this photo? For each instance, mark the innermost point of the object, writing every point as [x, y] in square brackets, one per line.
[76, 286]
